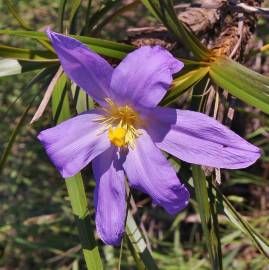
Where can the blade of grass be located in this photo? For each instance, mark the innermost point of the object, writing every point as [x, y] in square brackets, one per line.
[205, 211]
[164, 11]
[139, 243]
[27, 54]
[118, 12]
[183, 83]
[75, 5]
[104, 47]
[77, 196]
[239, 222]
[60, 100]
[60, 18]
[106, 7]
[22, 23]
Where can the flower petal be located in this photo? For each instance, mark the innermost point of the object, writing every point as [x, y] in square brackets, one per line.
[144, 76]
[109, 197]
[72, 144]
[199, 139]
[149, 171]
[83, 66]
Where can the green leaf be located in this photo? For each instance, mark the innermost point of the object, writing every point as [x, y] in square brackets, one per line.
[83, 101]
[239, 222]
[247, 85]
[78, 200]
[207, 217]
[22, 23]
[60, 102]
[104, 47]
[60, 18]
[75, 4]
[27, 54]
[183, 82]
[16, 15]
[138, 243]
[164, 11]
[100, 13]
[117, 13]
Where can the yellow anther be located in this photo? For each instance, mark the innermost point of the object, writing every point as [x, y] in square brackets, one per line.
[117, 136]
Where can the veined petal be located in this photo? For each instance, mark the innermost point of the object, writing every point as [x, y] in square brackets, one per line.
[86, 68]
[72, 144]
[109, 197]
[144, 76]
[199, 139]
[149, 171]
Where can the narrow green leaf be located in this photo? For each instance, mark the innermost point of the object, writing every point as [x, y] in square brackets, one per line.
[60, 18]
[239, 222]
[83, 102]
[104, 47]
[22, 23]
[27, 54]
[139, 243]
[77, 196]
[16, 15]
[86, 28]
[164, 11]
[207, 219]
[117, 13]
[183, 82]
[236, 80]
[75, 4]
[100, 13]
[60, 102]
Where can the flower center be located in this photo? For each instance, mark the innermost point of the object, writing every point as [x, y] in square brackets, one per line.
[123, 123]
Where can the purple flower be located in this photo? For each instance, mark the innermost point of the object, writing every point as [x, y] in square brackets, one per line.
[126, 134]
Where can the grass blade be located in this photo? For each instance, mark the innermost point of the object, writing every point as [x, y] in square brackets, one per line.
[164, 11]
[77, 196]
[138, 243]
[183, 83]
[239, 222]
[104, 47]
[27, 54]
[207, 219]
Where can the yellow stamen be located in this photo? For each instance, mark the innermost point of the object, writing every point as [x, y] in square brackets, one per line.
[117, 136]
[123, 123]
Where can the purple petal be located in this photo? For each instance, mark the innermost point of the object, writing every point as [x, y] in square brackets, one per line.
[199, 139]
[109, 197]
[86, 68]
[74, 143]
[149, 171]
[144, 76]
